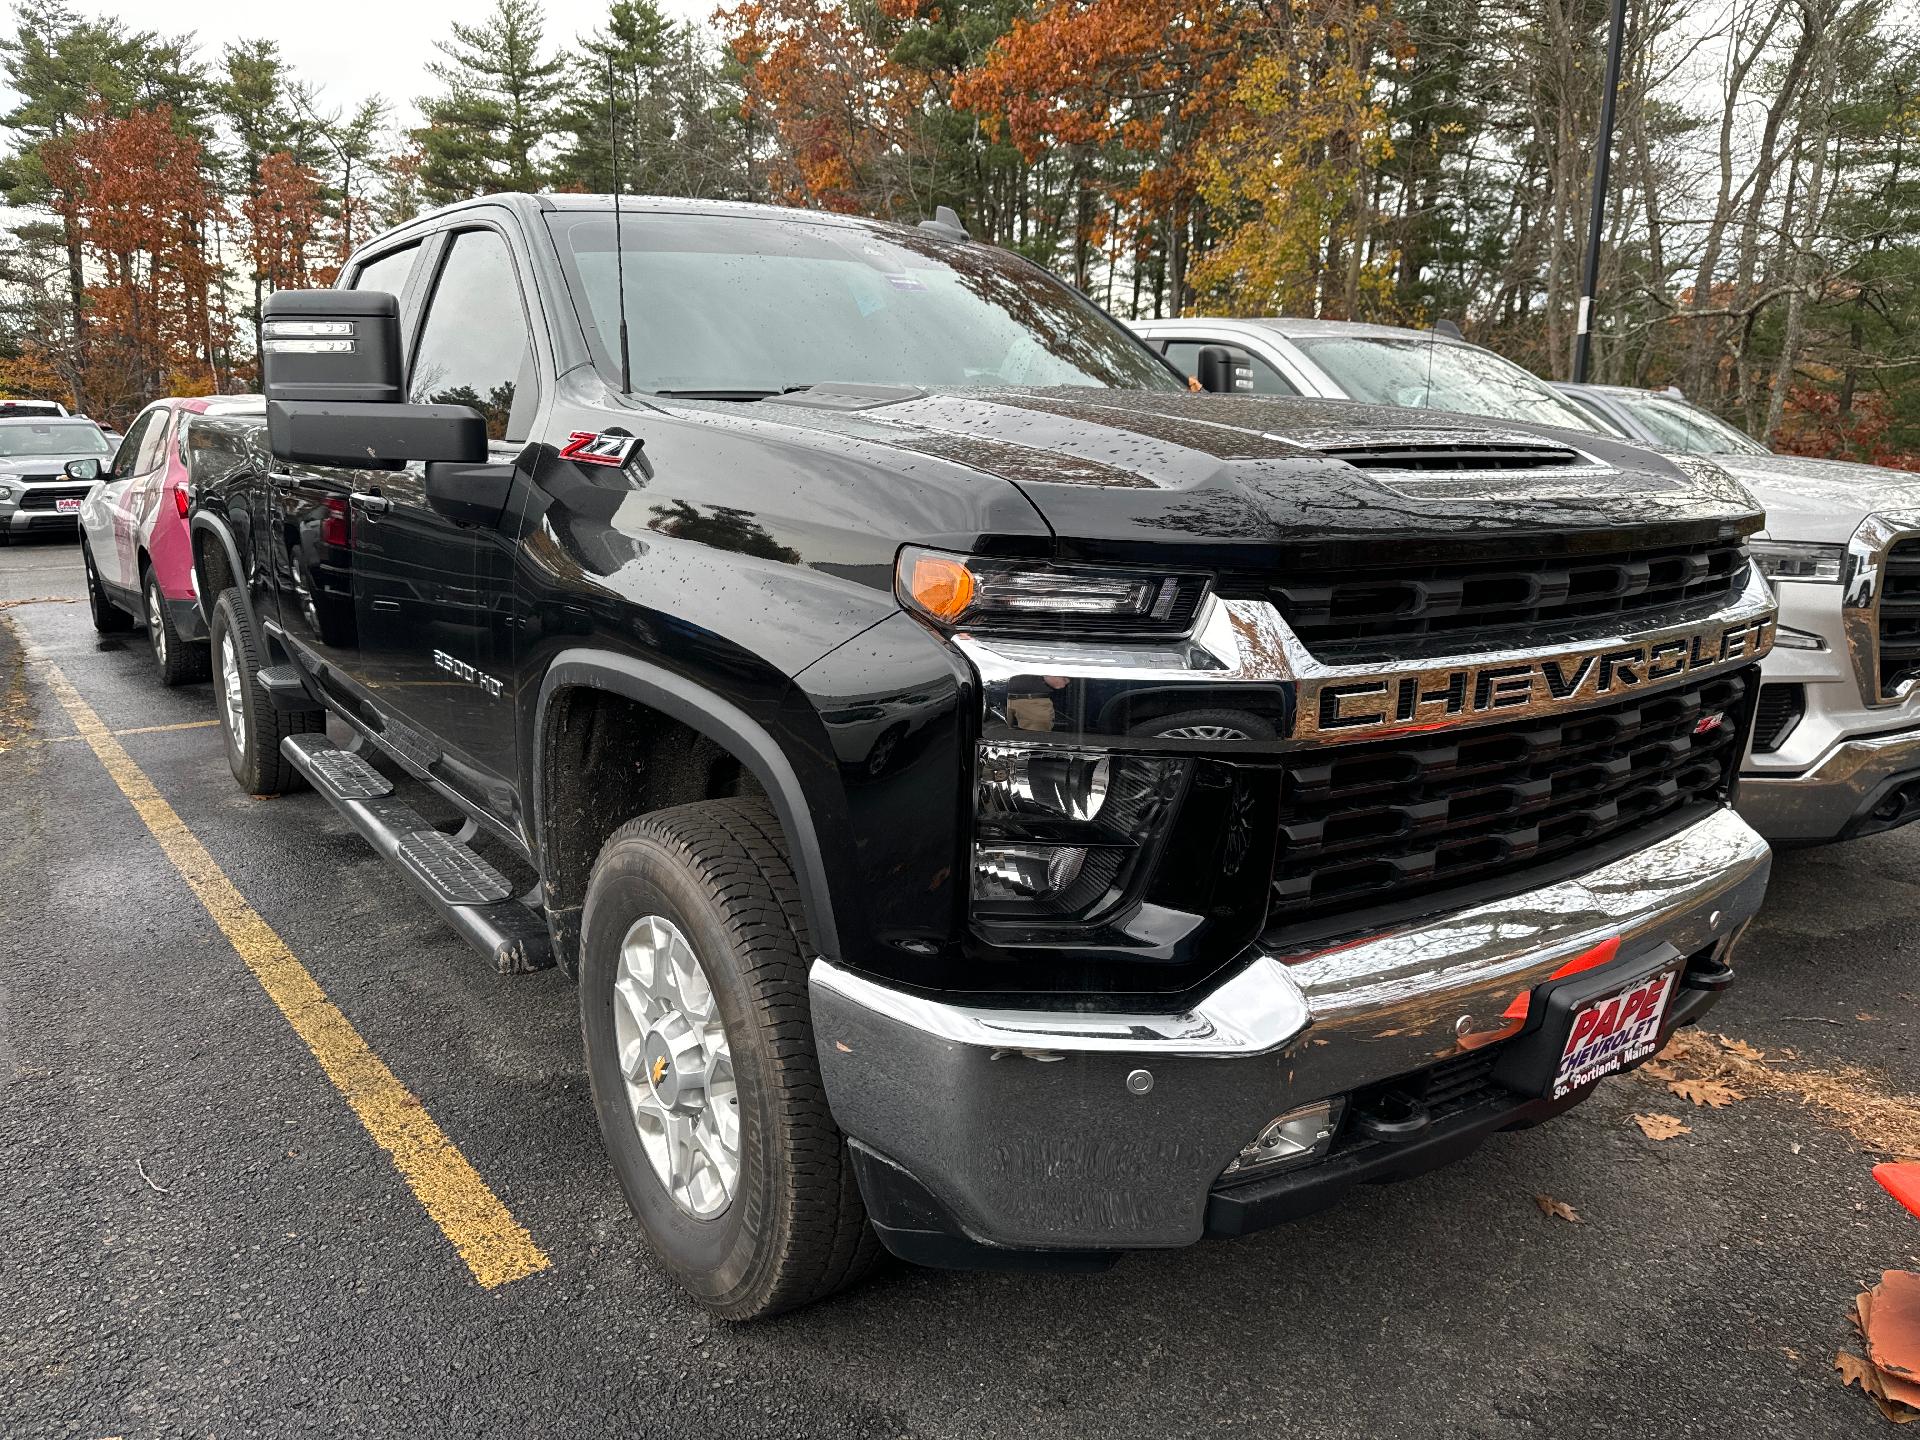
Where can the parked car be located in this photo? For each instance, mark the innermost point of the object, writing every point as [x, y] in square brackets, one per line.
[14, 409]
[1381, 364]
[36, 493]
[1836, 751]
[995, 802]
[133, 534]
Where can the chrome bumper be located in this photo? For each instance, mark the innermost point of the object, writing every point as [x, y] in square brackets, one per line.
[1839, 789]
[1033, 1130]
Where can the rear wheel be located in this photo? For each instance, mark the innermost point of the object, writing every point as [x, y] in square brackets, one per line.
[251, 726]
[180, 661]
[693, 999]
[108, 618]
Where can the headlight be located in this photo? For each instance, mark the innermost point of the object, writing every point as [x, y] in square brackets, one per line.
[970, 591]
[1803, 560]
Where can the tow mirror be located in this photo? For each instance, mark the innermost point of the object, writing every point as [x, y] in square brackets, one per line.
[88, 469]
[331, 371]
[1216, 370]
[331, 345]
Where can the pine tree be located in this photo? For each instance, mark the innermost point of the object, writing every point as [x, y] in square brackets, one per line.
[617, 73]
[485, 129]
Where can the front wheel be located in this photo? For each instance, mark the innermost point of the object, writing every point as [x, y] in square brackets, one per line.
[693, 1002]
[108, 618]
[251, 726]
[180, 661]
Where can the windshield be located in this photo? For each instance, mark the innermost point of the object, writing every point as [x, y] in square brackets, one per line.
[56, 437]
[1440, 375]
[1677, 425]
[744, 307]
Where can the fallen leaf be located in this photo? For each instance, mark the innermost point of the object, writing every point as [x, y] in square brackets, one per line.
[1742, 1049]
[1789, 1352]
[1705, 1092]
[1659, 1070]
[1661, 1127]
[1866, 1015]
[1558, 1209]
[1854, 1371]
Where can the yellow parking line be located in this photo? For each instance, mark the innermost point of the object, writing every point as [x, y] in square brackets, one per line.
[496, 1247]
[130, 730]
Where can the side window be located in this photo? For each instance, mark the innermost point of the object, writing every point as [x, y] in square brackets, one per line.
[153, 446]
[474, 347]
[1252, 375]
[388, 272]
[126, 458]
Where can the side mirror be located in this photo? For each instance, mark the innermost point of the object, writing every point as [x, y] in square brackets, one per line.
[1216, 370]
[88, 469]
[331, 345]
[374, 436]
[330, 369]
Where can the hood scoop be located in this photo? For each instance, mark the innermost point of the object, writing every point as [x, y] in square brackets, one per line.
[1467, 454]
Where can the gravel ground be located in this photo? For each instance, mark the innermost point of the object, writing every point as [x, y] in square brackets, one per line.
[269, 1273]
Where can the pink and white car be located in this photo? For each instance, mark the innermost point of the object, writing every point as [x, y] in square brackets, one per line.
[133, 534]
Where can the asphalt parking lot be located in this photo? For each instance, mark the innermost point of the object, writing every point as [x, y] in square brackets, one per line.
[202, 1237]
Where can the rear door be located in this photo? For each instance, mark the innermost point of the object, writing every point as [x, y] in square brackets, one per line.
[140, 455]
[425, 584]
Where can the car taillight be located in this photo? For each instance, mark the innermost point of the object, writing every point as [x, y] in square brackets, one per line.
[180, 499]
[334, 528]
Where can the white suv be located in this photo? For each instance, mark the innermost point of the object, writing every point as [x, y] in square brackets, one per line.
[1836, 745]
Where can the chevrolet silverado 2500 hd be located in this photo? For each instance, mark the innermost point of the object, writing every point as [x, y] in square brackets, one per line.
[999, 805]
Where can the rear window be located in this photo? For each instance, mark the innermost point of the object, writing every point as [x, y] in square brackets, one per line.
[1440, 375]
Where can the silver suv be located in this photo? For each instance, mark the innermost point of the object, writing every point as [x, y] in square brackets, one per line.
[36, 493]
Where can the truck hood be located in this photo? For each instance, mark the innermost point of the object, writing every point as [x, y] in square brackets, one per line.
[1329, 481]
[1820, 500]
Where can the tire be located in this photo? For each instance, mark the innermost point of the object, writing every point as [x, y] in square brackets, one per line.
[250, 725]
[108, 618]
[792, 1228]
[181, 662]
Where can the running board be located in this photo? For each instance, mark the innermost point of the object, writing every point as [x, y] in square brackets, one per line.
[469, 894]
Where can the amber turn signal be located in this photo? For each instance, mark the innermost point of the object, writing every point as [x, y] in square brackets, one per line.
[940, 586]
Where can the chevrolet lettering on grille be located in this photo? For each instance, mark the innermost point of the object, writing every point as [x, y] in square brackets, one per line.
[1361, 706]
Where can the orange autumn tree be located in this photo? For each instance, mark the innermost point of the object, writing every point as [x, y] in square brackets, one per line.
[840, 106]
[1253, 124]
[138, 194]
[285, 216]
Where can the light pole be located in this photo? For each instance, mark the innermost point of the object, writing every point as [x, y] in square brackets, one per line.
[1602, 155]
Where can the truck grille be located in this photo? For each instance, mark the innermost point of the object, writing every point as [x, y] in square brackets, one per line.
[1900, 616]
[1377, 823]
[1341, 614]
[43, 499]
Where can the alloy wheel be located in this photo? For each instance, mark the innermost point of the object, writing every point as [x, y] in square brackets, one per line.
[156, 622]
[678, 1067]
[232, 697]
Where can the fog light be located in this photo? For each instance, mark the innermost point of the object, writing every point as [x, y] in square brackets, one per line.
[1025, 872]
[1306, 1133]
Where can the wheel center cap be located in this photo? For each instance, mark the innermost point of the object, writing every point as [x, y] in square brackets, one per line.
[661, 1073]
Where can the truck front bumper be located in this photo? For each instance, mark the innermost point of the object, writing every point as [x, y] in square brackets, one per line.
[991, 1136]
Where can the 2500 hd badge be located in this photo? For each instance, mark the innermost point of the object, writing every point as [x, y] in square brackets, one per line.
[1416, 700]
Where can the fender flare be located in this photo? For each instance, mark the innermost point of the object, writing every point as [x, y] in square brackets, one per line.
[202, 523]
[720, 721]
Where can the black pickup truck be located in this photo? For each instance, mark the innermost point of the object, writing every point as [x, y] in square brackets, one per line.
[999, 805]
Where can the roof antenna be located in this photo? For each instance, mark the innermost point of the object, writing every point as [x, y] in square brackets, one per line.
[619, 247]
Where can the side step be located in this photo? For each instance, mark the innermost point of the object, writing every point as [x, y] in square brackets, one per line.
[284, 688]
[470, 895]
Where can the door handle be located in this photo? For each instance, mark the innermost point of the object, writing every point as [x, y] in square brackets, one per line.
[371, 501]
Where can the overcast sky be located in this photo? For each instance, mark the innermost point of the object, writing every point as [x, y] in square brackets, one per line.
[356, 48]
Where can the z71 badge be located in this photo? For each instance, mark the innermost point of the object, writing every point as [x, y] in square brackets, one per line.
[603, 449]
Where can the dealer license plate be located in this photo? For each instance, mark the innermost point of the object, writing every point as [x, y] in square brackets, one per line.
[65, 505]
[1614, 1031]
